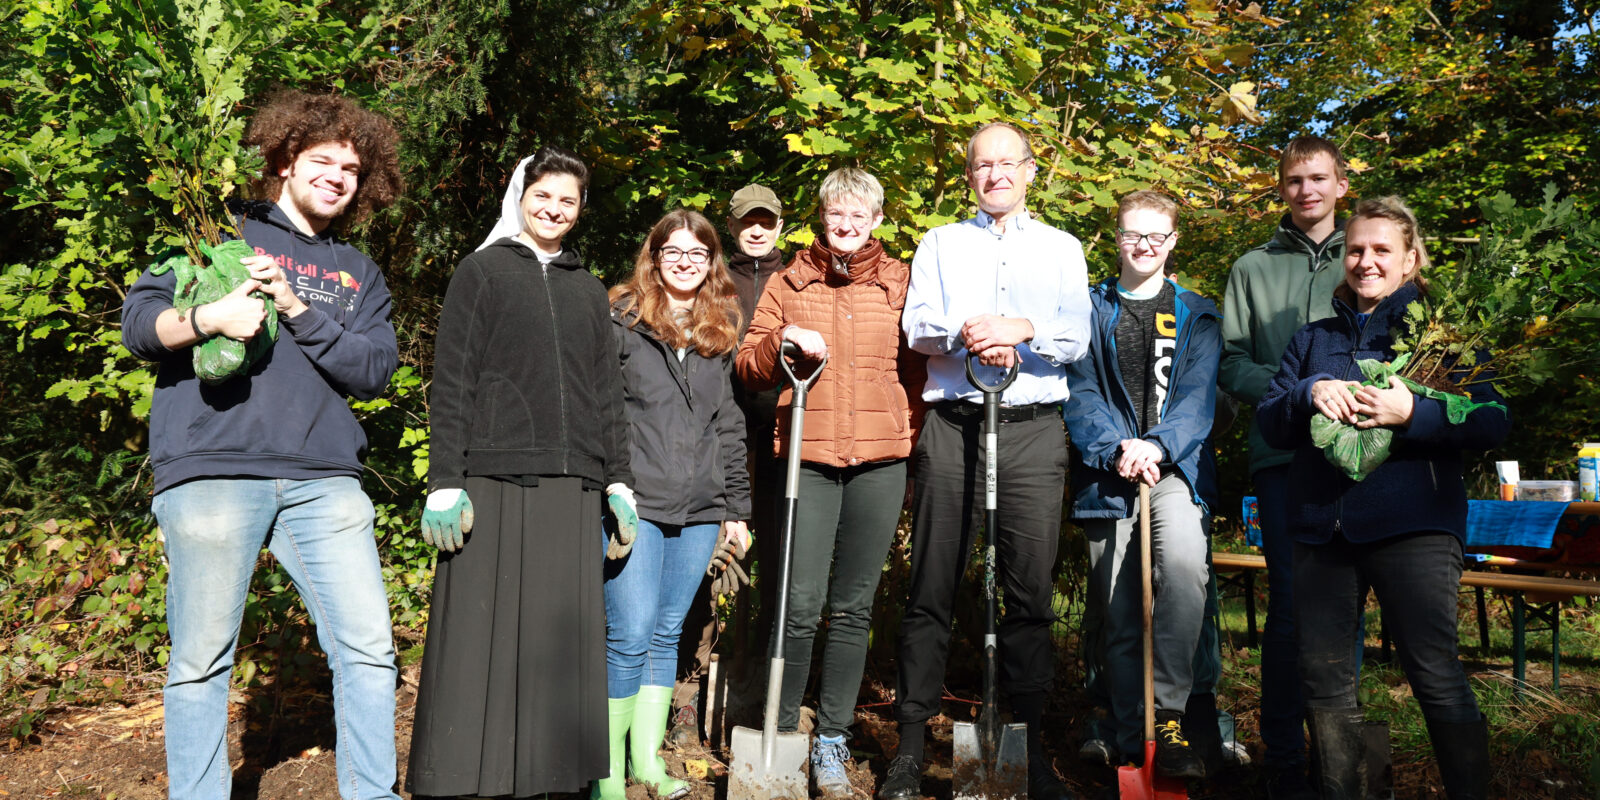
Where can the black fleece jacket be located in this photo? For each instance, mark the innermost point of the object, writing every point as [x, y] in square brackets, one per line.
[525, 379]
[288, 418]
[686, 433]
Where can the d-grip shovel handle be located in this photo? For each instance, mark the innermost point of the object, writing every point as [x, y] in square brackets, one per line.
[988, 389]
[789, 350]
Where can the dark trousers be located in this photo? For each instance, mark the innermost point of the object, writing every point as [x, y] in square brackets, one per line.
[949, 471]
[1283, 714]
[843, 528]
[1416, 579]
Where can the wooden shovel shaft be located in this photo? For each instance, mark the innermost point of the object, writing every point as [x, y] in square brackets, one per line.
[1148, 602]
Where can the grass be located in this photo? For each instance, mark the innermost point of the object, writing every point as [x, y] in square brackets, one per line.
[1542, 744]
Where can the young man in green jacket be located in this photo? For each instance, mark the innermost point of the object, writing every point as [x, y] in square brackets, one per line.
[1273, 291]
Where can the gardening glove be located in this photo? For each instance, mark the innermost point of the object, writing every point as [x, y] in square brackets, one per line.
[446, 518]
[620, 498]
[727, 575]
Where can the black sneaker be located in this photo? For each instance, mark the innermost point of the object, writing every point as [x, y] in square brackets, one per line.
[1174, 757]
[902, 780]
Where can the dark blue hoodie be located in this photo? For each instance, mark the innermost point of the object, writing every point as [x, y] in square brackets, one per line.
[287, 418]
[1100, 415]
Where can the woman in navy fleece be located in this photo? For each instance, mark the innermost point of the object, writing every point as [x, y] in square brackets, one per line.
[1399, 531]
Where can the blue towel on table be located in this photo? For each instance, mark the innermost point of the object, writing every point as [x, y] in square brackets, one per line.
[1522, 523]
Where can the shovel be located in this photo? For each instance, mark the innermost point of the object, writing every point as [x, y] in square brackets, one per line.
[990, 759]
[769, 765]
[1142, 783]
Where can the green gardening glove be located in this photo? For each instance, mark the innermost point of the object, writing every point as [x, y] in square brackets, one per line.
[620, 498]
[446, 519]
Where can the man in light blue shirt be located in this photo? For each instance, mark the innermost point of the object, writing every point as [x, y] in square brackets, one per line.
[1011, 290]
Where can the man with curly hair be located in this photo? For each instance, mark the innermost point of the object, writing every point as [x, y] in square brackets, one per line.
[273, 456]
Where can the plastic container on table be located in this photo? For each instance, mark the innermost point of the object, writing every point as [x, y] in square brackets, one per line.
[1561, 491]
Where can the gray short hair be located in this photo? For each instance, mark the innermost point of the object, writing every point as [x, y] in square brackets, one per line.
[1027, 143]
[854, 184]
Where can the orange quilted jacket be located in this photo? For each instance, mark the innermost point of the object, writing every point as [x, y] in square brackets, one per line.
[859, 410]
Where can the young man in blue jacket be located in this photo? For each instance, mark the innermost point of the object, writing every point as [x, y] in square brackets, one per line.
[1141, 407]
[273, 456]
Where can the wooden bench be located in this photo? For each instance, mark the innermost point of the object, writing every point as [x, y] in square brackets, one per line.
[1534, 599]
[1242, 580]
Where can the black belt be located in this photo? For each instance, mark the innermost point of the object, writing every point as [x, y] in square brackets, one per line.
[961, 412]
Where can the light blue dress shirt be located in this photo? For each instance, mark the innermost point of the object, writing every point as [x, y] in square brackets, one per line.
[968, 268]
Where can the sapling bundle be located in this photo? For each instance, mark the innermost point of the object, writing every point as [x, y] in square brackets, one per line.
[180, 71]
[1522, 309]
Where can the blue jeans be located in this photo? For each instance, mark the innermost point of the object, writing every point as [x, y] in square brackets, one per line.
[647, 596]
[1283, 712]
[321, 532]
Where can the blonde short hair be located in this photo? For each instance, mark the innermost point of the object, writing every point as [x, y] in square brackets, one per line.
[850, 183]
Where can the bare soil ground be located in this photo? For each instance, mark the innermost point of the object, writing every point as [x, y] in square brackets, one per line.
[281, 748]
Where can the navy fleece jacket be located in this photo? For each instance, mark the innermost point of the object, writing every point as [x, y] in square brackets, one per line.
[287, 418]
[1420, 487]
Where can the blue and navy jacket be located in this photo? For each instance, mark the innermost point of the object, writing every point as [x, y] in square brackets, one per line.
[1100, 415]
[1420, 487]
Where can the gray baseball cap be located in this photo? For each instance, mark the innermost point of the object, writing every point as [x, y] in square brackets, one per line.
[752, 197]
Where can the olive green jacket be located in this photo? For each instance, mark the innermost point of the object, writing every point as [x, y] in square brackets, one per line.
[1273, 291]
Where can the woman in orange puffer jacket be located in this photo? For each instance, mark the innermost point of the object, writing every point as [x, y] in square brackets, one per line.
[842, 298]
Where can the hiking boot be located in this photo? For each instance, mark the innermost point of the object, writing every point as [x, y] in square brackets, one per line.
[685, 730]
[1174, 757]
[1100, 752]
[828, 754]
[902, 780]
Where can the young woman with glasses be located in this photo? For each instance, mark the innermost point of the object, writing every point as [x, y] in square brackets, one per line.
[676, 322]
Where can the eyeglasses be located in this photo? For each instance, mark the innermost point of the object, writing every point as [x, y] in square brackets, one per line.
[1133, 237]
[1002, 167]
[669, 255]
[857, 219]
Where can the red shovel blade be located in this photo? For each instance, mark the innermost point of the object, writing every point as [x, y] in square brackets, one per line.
[1142, 783]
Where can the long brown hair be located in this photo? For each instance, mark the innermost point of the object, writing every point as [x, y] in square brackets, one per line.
[714, 319]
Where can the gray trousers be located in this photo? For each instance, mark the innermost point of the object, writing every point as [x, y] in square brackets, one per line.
[1178, 563]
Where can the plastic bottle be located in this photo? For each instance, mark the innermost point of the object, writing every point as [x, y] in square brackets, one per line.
[1589, 472]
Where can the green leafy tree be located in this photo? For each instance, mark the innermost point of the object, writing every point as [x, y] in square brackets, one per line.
[119, 141]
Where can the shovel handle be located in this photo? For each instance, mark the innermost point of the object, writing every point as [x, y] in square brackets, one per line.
[987, 388]
[789, 351]
[1148, 601]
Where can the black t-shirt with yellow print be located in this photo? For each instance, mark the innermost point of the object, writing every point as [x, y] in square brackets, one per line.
[1147, 335]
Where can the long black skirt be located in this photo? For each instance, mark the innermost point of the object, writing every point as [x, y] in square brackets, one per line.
[513, 691]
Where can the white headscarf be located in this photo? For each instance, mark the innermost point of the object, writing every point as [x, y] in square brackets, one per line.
[510, 223]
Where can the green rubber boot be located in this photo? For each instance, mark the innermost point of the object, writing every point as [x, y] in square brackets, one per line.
[615, 786]
[644, 742]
